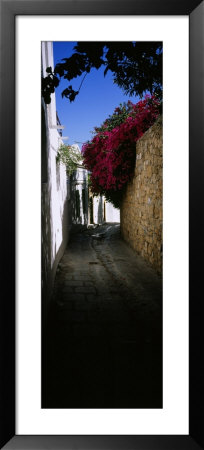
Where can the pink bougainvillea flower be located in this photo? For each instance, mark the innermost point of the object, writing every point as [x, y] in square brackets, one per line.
[110, 155]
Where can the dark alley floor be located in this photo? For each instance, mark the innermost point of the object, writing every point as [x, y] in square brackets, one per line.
[103, 343]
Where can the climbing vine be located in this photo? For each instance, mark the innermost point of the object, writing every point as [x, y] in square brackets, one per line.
[70, 156]
[110, 155]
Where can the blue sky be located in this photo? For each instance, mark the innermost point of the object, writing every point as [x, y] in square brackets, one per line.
[98, 98]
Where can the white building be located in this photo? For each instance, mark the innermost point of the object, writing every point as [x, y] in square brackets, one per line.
[102, 211]
[112, 214]
[85, 208]
[79, 194]
[55, 223]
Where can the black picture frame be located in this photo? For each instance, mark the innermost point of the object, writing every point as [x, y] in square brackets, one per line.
[195, 10]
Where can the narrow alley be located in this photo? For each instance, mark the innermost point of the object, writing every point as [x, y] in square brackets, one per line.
[102, 346]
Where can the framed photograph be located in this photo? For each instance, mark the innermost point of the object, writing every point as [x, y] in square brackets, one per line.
[177, 421]
[101, 307]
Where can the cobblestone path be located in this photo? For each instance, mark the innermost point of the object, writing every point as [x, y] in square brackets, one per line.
[104, 336]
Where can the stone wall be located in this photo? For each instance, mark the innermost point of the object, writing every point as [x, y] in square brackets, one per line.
[141, 211]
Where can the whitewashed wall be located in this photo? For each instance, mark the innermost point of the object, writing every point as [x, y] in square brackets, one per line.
[104, 211]
[79, 183]
[112, 213]
[55, 224]
[98, 209]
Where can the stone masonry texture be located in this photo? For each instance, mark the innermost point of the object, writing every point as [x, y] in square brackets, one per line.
[141, 211]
